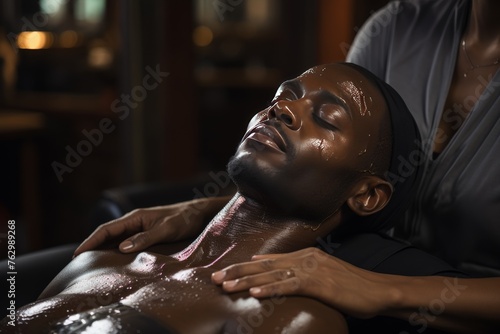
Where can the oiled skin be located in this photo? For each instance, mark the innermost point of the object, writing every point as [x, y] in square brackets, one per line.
[170, 291]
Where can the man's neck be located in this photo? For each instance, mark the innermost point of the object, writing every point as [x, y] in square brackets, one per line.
[244, 228]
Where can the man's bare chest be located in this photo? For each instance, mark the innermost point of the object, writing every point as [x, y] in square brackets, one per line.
[171, 292]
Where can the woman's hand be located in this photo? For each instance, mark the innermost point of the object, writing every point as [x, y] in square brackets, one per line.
[466, 305]
[313, 273]
[146, 227]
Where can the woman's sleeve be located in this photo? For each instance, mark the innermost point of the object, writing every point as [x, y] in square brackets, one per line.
[372, 44]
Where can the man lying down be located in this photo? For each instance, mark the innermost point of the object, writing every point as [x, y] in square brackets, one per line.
[322, 160]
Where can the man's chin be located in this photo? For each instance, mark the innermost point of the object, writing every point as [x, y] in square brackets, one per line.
[239, 172]
[247, 178]
[232, 168]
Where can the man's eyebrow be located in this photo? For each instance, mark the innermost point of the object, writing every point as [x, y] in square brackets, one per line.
[334, 99]
[294, 86]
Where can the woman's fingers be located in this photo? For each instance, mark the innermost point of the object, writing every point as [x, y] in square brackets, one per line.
[258, 280]
[155, 234]
[304, 272]
[127, 225]
[274, 283]
[101, 235]
[149, 226]
[268, 256]
[269, 274]
[286, 287]
[240, 270]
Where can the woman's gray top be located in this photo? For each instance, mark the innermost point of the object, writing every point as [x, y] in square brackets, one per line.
[412, 45]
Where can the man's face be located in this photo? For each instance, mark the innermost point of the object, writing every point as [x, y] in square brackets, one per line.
[304, 152]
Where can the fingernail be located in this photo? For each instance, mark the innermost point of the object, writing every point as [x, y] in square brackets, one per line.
[218, 276]
[255, 291]
[126, 245]
[230, 284]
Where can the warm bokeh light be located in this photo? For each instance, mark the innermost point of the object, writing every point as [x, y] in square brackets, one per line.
[68, 39]
[34, 40]
[202, 36]
[100, 57]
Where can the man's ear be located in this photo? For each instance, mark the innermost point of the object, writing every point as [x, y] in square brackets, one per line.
[371, 194]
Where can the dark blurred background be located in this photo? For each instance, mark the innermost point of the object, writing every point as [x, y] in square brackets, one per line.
[98, 94]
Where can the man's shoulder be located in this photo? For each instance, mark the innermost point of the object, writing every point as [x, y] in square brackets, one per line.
[382, 253]
[368, 250]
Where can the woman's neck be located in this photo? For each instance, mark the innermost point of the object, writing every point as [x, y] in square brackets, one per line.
[244, 228]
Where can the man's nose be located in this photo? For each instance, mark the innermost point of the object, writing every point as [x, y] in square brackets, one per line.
[282, 110]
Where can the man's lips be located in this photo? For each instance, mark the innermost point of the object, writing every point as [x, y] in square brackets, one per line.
[267, 135]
